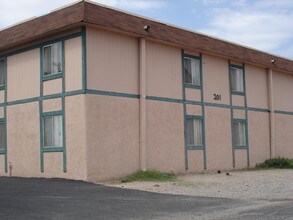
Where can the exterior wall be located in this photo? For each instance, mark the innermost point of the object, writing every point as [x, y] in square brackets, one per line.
[112, 137]
[165, 136]
[23, 75]
[259, 137]
[218, 138]
[216, 79]
[163, 71]
[256, 87]
[284, 135]
[73, 64]
[112, 62]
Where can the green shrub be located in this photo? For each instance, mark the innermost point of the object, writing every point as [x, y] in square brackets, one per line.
[279, 163]
[149, 175]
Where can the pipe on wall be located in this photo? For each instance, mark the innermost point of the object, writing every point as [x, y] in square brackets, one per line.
[142, 104]
[272, 113]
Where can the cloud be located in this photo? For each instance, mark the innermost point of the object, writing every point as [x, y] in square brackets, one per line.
[18, 10]
[265, 25]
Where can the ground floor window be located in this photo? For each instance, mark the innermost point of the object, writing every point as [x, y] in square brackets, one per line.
[53, 135]
[194, 132]
[239, 133]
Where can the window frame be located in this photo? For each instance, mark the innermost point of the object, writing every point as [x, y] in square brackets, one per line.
[2, 121]
[237, 92]
[52, 75]
[195, 117]
[2, 86]
[237, 120]
[52, 115]
[191, 85]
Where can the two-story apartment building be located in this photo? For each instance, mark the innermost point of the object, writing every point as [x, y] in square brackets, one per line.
[92, 93]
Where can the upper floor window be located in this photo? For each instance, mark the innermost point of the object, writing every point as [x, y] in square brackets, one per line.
[237, 79]
[192, 71]
[2, 135]
[2, 72]
[52, 59]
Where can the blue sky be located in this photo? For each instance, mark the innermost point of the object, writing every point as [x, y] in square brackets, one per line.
[262, 24]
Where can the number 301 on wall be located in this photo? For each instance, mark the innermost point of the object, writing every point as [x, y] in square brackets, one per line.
[217, 97]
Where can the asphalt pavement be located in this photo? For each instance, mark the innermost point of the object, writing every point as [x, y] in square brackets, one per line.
[33, 198]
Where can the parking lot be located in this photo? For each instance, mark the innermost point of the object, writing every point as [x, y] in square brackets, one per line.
[30, 198]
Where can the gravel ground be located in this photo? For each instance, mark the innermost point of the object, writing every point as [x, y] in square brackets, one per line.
[272, 185]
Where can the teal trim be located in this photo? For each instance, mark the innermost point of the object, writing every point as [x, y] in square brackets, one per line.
[53, 113]
[5, 117]
[236, 66]
[40, 112]
[77, 34]
[2, 87]
[190, 56]
[119, 94]
[237, 93]
[2, 120]
[52, 149]
[52, 76]
[283, 112]
[84, 60]
[184, 110]
[231, 116]
[246, 116]
[2, 151]
[194, 117]
[244, 147]
[194, 147]
[192, 86]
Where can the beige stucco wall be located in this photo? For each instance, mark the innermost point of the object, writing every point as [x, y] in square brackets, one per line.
[112, 61]
[112, 136]
[23, 139]
[283, 90]
[164, 70]
[1, 112]
[284, 135]
[73, 64]
[2, 93]
[216, 79]
[195, 160]
[238, 114]
[193, 110]
[50, 105]
[23, 75]
[193, 94]
[259, 136]
[238, 100]
[165, 136]
[240, 158]
[218, 138]
[52, 87]
[256, 87]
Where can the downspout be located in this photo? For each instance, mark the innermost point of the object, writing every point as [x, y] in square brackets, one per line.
[272, 113]
[142, 104]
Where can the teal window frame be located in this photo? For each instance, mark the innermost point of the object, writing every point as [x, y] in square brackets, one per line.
[2, 86]
[190, 85]
[194, 147]
[3, 149]
[246, 134]
[236, 92]
[52, 75]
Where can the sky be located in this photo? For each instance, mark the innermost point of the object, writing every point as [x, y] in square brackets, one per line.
[265, 25]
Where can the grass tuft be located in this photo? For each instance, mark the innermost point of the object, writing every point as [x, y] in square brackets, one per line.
[149, 175]
[278, 163]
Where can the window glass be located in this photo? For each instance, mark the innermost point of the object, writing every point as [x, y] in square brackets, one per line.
[53, 135]
[236, 79]
[192, 71]
[52, 59]
[239, 133]
[194, 132]
[2, 135]
[2, 72]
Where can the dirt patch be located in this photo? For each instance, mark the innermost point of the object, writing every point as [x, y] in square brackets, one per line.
[273, 185]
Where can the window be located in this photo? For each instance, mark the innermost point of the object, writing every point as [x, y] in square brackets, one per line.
[192, 71]
[194, 132]
[2, 73]
[2, 135]
[239, 133]
[53, 135]
[237, 84]
[52, 59]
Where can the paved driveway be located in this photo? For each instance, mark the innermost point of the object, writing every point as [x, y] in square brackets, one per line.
[22, 198]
